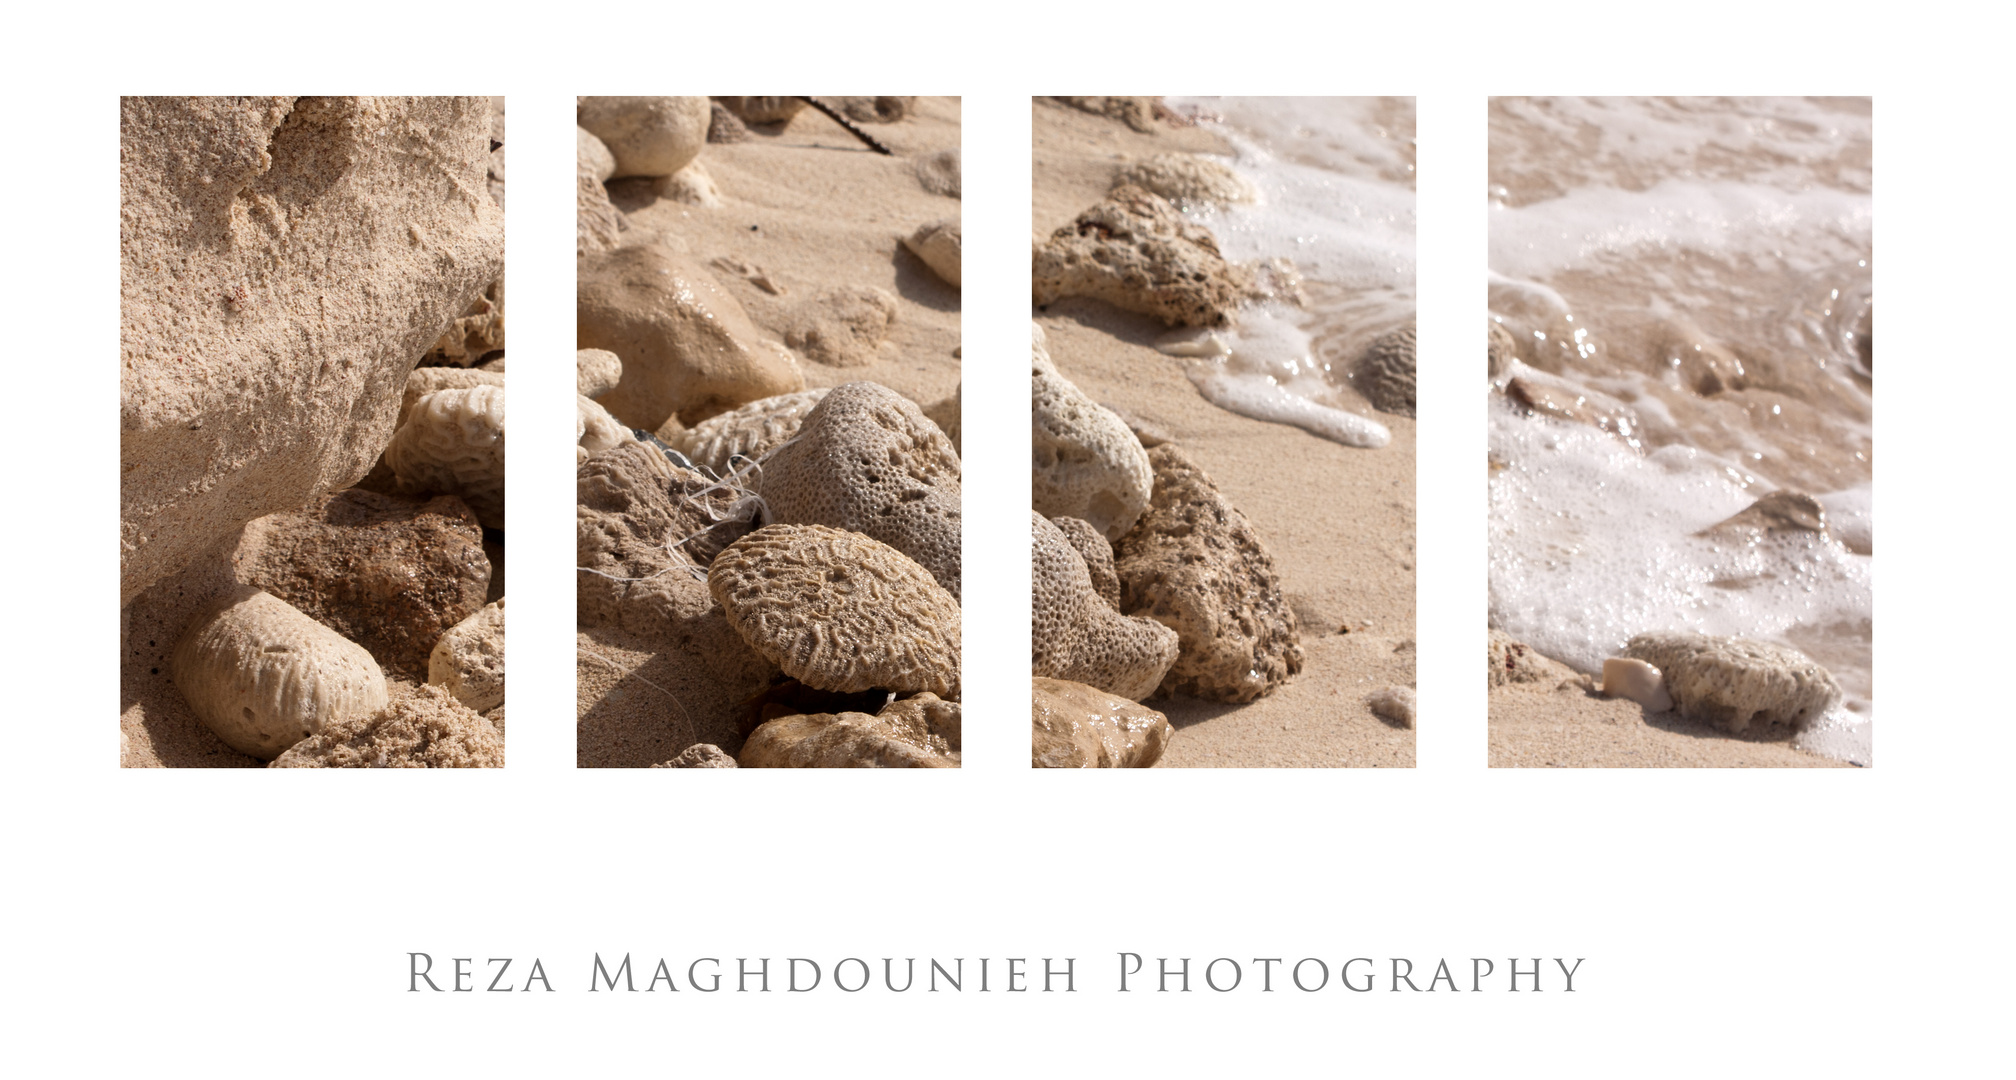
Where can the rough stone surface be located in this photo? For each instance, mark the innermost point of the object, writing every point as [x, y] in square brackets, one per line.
[1739, 685]
[1087, 464]
[452, 443]
[700, 756]
[392, 574]
[937, 244]
[591, 155]
[916, 733]
[939, 173]
[946, 413]
[1385, 373]
[874, 110]
[1188, 180]
[747, 432]
[595, 430]
[284, 262]
[687, 347]
[1395, 704]
[426, 729]
[842, 326]
[1510, 662]
[1136, 112]
[692, 185]
[839, 611]
[1196, 564]
[648, 136]
[1097, 551]
[1075, 726]
[868, 460]
[264, 676]
[724, 126]
[644, 529]
[596, 372]
[1137, 252]
[468, 661]
[598, 225]
[1076, 635]
[479, 332]
[762, 110]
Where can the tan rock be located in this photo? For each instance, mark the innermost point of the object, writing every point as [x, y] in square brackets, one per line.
[391, 574]
[692, 185]
[724, 126]
[687, 347]
[1136, 112]
[284, 262]
[843, 326]
[264, 676]
[596, 372]
[700, 756]
[1195, 564]
[1139, 253]
[1385, 374]
[746, 432]
[1397, 705]
[1076, 635]
[916, 733]
[866, 459]
[426, 380]
[1097, 552]
[937, 244]
[595, 430]
[1075, 726]
[939, 173]
[468, 661]
[452, 443]
[763, 110]
[1737, 684]
[1087, 464]
[839, 611]
[648, 136]
[426, 729]
[945, 412]
[875, 110]
[591, 155]
[598, 225]
[1510, 662]
[477, 334]
[1188, 180]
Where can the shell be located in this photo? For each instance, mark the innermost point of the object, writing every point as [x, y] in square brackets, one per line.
[264, 676]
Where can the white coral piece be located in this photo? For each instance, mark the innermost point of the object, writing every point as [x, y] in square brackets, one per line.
[453, 443]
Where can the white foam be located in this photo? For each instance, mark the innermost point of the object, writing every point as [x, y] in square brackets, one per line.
[1263, 368]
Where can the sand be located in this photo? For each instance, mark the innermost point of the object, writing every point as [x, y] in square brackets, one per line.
[1338, 521]
[809, 208]
[1573, 728]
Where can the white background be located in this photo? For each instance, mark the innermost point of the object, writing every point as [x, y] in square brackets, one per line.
[238, 923]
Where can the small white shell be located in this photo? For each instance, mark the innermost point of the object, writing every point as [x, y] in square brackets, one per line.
[1637, 680]
[264, 676]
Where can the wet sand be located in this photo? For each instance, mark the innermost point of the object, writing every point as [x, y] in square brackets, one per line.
[1338, 521]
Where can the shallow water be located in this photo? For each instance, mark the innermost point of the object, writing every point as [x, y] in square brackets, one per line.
[1697, 274]
[1335, 178]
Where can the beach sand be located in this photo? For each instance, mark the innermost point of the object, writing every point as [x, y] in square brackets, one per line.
[1338, 521]
[826, 211]
[1574, 728]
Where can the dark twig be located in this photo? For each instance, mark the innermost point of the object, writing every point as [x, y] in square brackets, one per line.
[853, 128]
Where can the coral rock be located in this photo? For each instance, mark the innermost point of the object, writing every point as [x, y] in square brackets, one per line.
[426, 380]
[591, 155]
[596, 372]
[763, 110]
[1395, 704]
[916, 733]
[875, 110]
[426, 729]
[700, 756]
[649, 136]
[1385, 373]
[937, 243]
[452, 443]
[868, 460]
[643, 529]
[687, 347]
[389, 573]
[1136, 112]
[841, 327]
[468, 661]
[746, 432]
[1075, 726]
[1186, 180]
[1196, 564]
[264, 676]
[1138, 252]
[598, 225]
[595, 430]
[724, 126]
[692, 185]
[1510, 662]
[1076, 635]
[1737, 684]
[478, 333]
[1087, 464]
[283, 264]
[839, 611]
[1097, 552]
[939, 173]
[945, 412]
